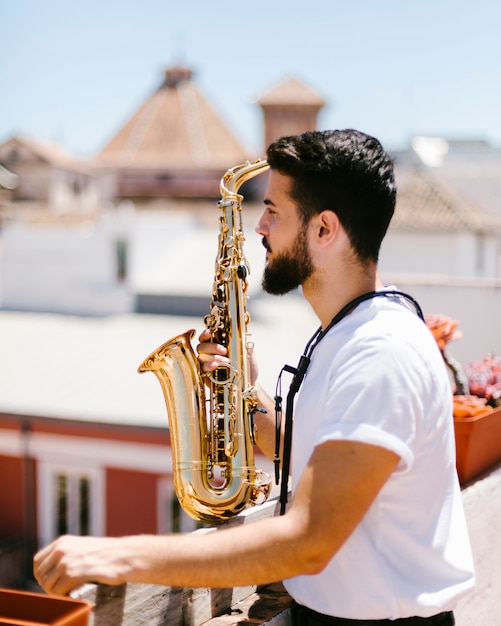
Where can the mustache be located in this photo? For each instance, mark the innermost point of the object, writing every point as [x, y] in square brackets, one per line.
[266, 245]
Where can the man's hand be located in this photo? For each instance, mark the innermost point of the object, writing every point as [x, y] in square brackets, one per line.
[213, 355]
[70, 561]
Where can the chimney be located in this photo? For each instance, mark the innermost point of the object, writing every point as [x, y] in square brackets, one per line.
[290, 108]
[175, 75]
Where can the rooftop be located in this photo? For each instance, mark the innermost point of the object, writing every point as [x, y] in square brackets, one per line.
[289, 92]
[85, 368]
[175, 128]
[448, 185]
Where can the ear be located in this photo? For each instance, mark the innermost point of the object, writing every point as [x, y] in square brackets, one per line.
[327, 226]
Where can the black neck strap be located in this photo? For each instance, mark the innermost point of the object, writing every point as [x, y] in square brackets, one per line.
[299, 373]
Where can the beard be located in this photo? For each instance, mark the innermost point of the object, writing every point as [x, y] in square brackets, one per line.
[289, 269]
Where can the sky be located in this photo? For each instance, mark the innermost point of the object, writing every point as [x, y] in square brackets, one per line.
[74, 72]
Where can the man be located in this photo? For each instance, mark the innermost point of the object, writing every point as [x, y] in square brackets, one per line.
[375, 529]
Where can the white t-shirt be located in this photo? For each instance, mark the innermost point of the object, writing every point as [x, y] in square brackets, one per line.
[378, 377]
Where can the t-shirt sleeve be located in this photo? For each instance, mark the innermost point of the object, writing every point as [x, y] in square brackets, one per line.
[371, 398]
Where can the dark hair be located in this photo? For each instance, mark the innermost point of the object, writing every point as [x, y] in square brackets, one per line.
[345, 171]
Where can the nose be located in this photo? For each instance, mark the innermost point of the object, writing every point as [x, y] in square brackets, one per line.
[261, 228]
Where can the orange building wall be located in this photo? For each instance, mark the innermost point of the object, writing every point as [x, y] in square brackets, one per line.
[131, 502]
[131, 495]
[11, 497]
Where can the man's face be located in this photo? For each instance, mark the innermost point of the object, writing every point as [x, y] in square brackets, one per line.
[285, 239]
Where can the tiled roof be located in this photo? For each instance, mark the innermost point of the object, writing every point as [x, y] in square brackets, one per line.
[478, 184]
[49, 152]
[426, 201]
[291, 92]
[176, 128]
[448, 185]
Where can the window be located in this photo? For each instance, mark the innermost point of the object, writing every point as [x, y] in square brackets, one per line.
[71, 501]
[121, 258]
[171, 517]
[73, 505]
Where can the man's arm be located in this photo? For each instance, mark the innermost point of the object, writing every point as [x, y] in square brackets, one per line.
[338, 486]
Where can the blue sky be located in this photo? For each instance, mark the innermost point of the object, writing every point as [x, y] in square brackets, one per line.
[74, 72]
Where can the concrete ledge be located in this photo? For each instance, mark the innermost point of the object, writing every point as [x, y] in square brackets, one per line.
[482, 502]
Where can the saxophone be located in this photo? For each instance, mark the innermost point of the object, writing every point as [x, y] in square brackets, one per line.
[211, 414]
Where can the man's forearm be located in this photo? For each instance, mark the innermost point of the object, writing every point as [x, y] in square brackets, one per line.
[265, 425]
[231, 557]
[223, 559]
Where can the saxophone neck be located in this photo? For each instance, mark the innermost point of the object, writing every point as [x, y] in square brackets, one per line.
[236, 176]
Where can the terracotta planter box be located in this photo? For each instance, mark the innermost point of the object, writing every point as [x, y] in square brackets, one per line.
[20, 608]
[478, 444]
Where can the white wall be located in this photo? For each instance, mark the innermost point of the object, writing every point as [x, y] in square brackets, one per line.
[63, 269]
[476, 304]
[460, 254]
[73, 270]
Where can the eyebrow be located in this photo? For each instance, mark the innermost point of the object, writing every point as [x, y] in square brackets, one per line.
[269, 202]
